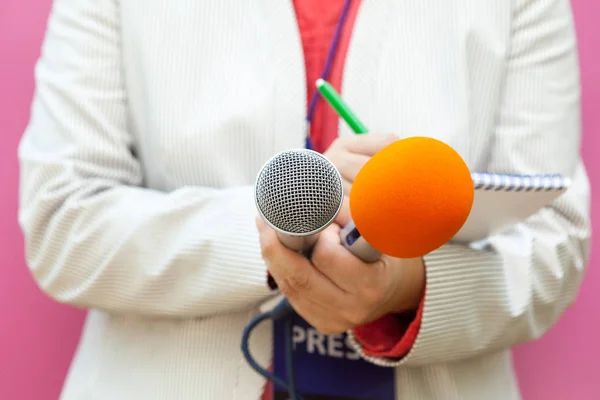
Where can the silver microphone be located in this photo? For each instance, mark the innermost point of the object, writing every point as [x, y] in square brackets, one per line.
[299, 193]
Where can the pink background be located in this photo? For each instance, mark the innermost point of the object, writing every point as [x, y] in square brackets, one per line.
[38, 337]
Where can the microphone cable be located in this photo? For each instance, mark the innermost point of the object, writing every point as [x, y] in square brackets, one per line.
[282, 311]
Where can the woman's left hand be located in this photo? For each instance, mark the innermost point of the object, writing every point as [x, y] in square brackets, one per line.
[335, 291]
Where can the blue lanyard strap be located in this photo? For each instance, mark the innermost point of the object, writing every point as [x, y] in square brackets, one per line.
[328, 63]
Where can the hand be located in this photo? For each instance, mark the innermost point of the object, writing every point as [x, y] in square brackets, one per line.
[349, 154]
[335, 291]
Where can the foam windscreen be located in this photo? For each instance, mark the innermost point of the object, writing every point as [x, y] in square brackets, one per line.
[412, 197]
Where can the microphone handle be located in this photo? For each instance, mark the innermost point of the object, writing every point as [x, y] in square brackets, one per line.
[357, 245]
[350, 236]
[302, 244]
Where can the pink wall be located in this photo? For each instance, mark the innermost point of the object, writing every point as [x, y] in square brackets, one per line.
[564, 364]
[38, 337]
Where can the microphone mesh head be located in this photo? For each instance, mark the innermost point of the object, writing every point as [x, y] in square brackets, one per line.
[299, 192]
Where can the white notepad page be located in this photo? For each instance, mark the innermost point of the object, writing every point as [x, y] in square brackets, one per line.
[502, 200]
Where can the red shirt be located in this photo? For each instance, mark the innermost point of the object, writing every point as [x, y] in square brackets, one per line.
[317, 21]
[391, 336]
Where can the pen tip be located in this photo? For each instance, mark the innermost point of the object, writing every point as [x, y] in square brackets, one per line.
[320, 82]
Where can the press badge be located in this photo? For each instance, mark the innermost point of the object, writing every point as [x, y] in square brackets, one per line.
[327, 368]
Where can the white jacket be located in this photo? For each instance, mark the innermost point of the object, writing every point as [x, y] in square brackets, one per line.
[151, 119]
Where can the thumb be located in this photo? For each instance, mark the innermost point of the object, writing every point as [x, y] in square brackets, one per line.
[331, 234]
[370, 143]
[344, 216]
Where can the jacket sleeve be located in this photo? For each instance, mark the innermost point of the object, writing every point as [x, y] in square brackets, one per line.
[94, 236]
[513, 287]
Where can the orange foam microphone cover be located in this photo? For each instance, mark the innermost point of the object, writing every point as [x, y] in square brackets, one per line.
[412, 197]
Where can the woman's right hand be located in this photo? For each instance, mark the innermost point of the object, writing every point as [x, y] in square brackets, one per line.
[349, 154]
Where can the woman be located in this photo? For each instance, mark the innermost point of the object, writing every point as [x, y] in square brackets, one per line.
[152, 118]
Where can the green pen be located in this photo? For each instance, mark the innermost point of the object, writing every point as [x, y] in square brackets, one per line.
[340, 106]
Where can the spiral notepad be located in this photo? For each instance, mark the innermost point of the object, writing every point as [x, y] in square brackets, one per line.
[502, 200]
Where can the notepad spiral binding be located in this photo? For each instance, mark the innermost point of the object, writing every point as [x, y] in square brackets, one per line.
[518, 183]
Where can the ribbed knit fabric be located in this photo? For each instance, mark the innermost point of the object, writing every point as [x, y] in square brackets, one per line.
[152, 118]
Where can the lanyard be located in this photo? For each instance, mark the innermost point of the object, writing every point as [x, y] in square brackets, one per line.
[324, 75]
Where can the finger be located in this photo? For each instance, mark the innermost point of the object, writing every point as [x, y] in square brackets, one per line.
[296, 277]
[350, 164]
[332, 234]
[367, 144]
[343, 216]
[347, 187]
[311, 292]
[334, 261]
[272, 250]
[260, 223]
